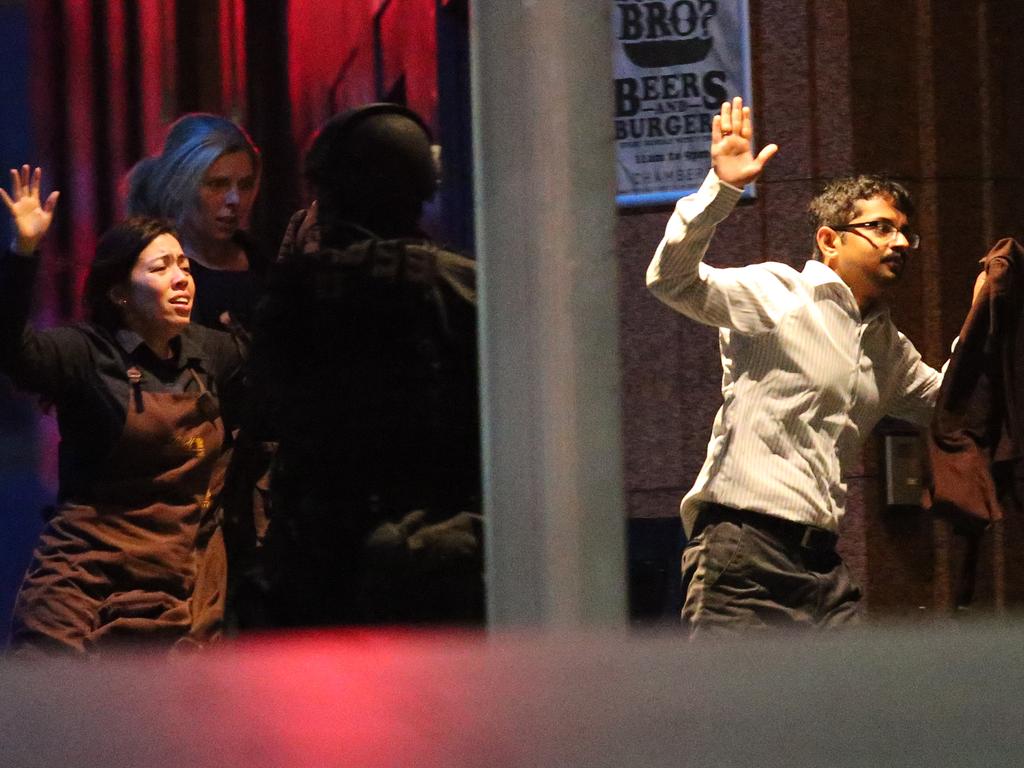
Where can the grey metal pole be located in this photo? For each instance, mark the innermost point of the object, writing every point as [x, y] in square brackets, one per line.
[544, 170]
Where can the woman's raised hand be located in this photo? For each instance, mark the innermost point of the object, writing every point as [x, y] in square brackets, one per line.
[31, 219]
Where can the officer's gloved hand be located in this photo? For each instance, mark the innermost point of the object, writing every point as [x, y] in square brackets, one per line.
[455, 540]
[426, 545]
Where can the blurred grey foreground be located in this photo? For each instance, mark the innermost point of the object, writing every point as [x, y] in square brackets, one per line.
[945, 696]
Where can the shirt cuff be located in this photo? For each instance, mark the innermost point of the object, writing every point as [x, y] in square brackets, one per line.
[719, 196]
[13, 253]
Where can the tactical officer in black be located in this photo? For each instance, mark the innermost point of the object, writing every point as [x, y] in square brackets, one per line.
[364, 365]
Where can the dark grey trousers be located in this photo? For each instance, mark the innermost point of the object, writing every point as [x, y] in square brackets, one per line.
[738, 577]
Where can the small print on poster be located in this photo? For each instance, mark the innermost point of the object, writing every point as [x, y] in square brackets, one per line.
[676, 61]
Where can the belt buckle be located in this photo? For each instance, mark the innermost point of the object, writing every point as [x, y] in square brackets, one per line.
[807, 540]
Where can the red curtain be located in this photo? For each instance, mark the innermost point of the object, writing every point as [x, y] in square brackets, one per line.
[108, 77]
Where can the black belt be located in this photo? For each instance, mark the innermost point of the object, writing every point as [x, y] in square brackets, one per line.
[806, 536]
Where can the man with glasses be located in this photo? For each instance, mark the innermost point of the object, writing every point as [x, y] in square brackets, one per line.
[811, 361]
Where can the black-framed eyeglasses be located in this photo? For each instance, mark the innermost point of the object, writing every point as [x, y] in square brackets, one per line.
[886, 230]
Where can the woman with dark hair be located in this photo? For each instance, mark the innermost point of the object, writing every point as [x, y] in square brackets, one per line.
[134, 549]
[205, 181]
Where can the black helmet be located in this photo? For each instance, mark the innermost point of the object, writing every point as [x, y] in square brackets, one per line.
[377, 150]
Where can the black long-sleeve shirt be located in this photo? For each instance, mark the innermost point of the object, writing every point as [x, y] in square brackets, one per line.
[83, 370]
[234, 292]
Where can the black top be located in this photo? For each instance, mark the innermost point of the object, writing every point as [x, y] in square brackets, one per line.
[83, 370]
[378, 339]
[232, 291]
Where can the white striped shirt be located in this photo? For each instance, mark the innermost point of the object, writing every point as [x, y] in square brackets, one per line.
[804, 377]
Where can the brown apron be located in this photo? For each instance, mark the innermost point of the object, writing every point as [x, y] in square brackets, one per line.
[145, 559]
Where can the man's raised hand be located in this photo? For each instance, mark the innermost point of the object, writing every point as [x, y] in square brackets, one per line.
[731, 151]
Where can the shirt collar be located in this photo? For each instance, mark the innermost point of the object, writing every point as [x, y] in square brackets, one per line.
[129, 340]
[187, 347]
[191, 349]
[821, 276]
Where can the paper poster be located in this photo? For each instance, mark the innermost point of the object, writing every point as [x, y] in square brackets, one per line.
[676, 61]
